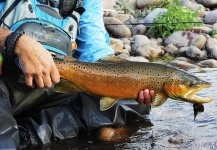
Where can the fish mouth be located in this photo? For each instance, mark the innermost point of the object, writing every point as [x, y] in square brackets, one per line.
[193, 98]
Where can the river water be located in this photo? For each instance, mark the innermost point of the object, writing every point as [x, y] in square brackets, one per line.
[170, 126]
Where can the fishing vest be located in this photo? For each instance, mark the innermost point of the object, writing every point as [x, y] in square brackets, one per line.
[56, 31]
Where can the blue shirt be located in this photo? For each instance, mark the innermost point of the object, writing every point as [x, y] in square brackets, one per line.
[93, 41]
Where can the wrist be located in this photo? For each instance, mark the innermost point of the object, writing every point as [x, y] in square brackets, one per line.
[10, 44]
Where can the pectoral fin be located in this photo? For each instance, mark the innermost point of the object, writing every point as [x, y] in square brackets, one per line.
[65, 86]
[159, 99]
[106, 103]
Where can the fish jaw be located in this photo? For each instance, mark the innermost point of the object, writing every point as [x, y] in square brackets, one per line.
[187, 93]
[193, 98]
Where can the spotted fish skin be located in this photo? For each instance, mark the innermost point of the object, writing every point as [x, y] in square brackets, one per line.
[124, 80]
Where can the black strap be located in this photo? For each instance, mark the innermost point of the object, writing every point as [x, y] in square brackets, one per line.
[13, 5]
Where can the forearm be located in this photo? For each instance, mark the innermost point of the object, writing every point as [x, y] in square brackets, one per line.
[92, 44]
[3, 35]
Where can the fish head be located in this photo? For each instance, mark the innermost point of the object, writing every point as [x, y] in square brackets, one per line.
[184, 86]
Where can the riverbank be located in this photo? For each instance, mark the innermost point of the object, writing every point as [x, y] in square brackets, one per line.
[135, 35]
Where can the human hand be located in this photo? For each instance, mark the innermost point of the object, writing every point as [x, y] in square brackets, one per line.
[146, 97]
[36, 63]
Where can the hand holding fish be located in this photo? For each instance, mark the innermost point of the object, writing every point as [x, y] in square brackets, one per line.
[36, 62]
[145, 97]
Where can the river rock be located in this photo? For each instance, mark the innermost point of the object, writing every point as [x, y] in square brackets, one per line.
[126, 18]
[149, 51]
[112, 14]
[182, 51]
[214, 27]
[171, 49]
[185, 59]
[183, 65]
[146, 3]
[118, 31]
[211, 17]
[139, 29]
[199, 41]
[207, 30]
[180, 38]
[195, 6]
[211, 46]
[109, 5]
[159, 41]
[127, 47]
[139, 40]
[123, 51]
[153, 14]
[195, 53]
[208, 3]
[210, 63]
[126, 41]
[153, 40]
[116, 44]
[138, 59]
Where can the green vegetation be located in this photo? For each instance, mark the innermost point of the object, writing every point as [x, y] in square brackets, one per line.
[166, 59]
[214, 32]
[124, 6]
[167, 23]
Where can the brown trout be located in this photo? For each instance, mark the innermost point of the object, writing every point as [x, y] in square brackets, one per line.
[124, 80]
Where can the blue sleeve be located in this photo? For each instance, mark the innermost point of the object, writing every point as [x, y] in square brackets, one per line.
[92, 42]
[2, 4]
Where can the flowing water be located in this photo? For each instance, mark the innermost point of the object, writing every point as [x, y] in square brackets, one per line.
[170, 126]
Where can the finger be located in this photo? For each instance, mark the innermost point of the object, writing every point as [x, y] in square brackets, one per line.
[152, 94]
[140, 99]
[147, 97]
[39, 81]
[29, 80]
[55, 76]
[47, 81]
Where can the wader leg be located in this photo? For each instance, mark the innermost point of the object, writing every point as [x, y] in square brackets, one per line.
[9, 134]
